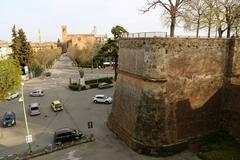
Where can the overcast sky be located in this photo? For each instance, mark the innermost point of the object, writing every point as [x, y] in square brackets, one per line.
[79, 15]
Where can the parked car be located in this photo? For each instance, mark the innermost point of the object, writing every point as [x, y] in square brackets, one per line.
[57, 106]
[48, 74]
[102, 99]
[104, 85]
[34, 109]
[37, 93]
[9, 119]
[67, 135]
[12, 96]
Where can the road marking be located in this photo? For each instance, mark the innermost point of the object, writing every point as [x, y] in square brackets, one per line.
[72, 157]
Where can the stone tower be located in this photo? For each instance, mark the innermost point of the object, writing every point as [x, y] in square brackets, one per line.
[172, 91]
[64, 33]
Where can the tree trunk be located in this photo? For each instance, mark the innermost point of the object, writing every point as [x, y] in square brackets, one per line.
[172, 26]
[220, 32]
[228, 31]
[198, 26]
[209, 30]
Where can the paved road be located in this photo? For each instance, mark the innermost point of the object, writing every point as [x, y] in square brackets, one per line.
[79, 109]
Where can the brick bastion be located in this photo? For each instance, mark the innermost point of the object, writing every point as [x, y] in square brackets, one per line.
[170, 91]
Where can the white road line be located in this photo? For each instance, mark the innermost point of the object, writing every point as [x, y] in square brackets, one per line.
[71, 156]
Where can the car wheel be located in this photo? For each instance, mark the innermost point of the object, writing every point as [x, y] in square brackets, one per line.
[95, 101]
[107, 102]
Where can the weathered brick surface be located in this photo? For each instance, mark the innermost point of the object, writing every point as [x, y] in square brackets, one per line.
[170, 90]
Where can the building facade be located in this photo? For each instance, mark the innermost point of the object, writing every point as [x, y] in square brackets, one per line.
[81, 40]
[5, 49]
[41, 46]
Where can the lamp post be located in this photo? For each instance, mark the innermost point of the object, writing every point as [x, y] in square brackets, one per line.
[28, 137]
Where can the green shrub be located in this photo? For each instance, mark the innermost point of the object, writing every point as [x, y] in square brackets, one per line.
[93, 85]
[83, 88]
[74, 87]
[99, 80]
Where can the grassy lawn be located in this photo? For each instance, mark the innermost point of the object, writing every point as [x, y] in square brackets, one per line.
[220, 146]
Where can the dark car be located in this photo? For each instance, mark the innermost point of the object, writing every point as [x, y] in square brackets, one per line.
[9, 119]
[66, 135]
[104, 85]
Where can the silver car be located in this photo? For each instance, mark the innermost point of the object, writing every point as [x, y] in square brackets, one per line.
[34, 109]
[104, 85]
[37, 93]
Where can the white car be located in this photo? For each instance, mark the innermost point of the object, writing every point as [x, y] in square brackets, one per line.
[12, 96]
[102, 99]
[37, 93]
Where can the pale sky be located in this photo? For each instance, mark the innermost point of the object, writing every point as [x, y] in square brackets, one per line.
[79, 15]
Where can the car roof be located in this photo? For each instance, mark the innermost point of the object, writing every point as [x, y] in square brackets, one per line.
[103, 83]
[62, 130]
[100, 95]
[35, 104]
[9, 113]
[57, 102]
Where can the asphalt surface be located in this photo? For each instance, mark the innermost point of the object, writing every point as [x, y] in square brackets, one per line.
[79, 109]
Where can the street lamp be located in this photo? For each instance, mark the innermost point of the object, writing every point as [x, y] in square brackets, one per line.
[28, 137]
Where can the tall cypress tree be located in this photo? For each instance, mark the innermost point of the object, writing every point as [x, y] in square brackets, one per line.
[22, 50]
[15, 44]
[25, 49]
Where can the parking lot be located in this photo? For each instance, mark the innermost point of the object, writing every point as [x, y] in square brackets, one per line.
[78, 109]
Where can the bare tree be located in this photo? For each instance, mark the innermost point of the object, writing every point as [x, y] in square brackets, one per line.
[172, 7]
[192, 16]
[236, 26]
[208, 15]
[226, 13]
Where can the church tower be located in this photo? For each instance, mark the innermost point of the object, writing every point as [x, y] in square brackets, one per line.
[64, 33]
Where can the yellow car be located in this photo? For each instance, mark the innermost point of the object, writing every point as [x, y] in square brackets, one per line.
[57, 106]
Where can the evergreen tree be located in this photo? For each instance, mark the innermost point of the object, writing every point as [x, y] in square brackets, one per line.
[25, 49]
[59, 43]
[110, 48]
[15, 44]
[22, 50]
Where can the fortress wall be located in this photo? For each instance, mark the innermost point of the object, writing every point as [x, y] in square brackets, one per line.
[231, 118]
[176, 90]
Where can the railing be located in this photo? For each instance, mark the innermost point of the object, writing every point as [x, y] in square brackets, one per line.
[145, 35]
[161, 34]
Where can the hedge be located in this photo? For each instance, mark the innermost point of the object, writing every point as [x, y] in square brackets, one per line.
[74, 87]
[104, 79]
[93, 85]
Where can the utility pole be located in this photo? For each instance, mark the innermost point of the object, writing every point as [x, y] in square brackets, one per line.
[28, 137]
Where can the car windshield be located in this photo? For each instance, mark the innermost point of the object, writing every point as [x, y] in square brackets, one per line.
[8, 118]
[58, 105]
[105, 97]
[34, 108]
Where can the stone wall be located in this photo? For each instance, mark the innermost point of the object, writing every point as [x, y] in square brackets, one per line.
[170, 90]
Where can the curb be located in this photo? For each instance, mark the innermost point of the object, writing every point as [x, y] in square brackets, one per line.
[48, 149]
